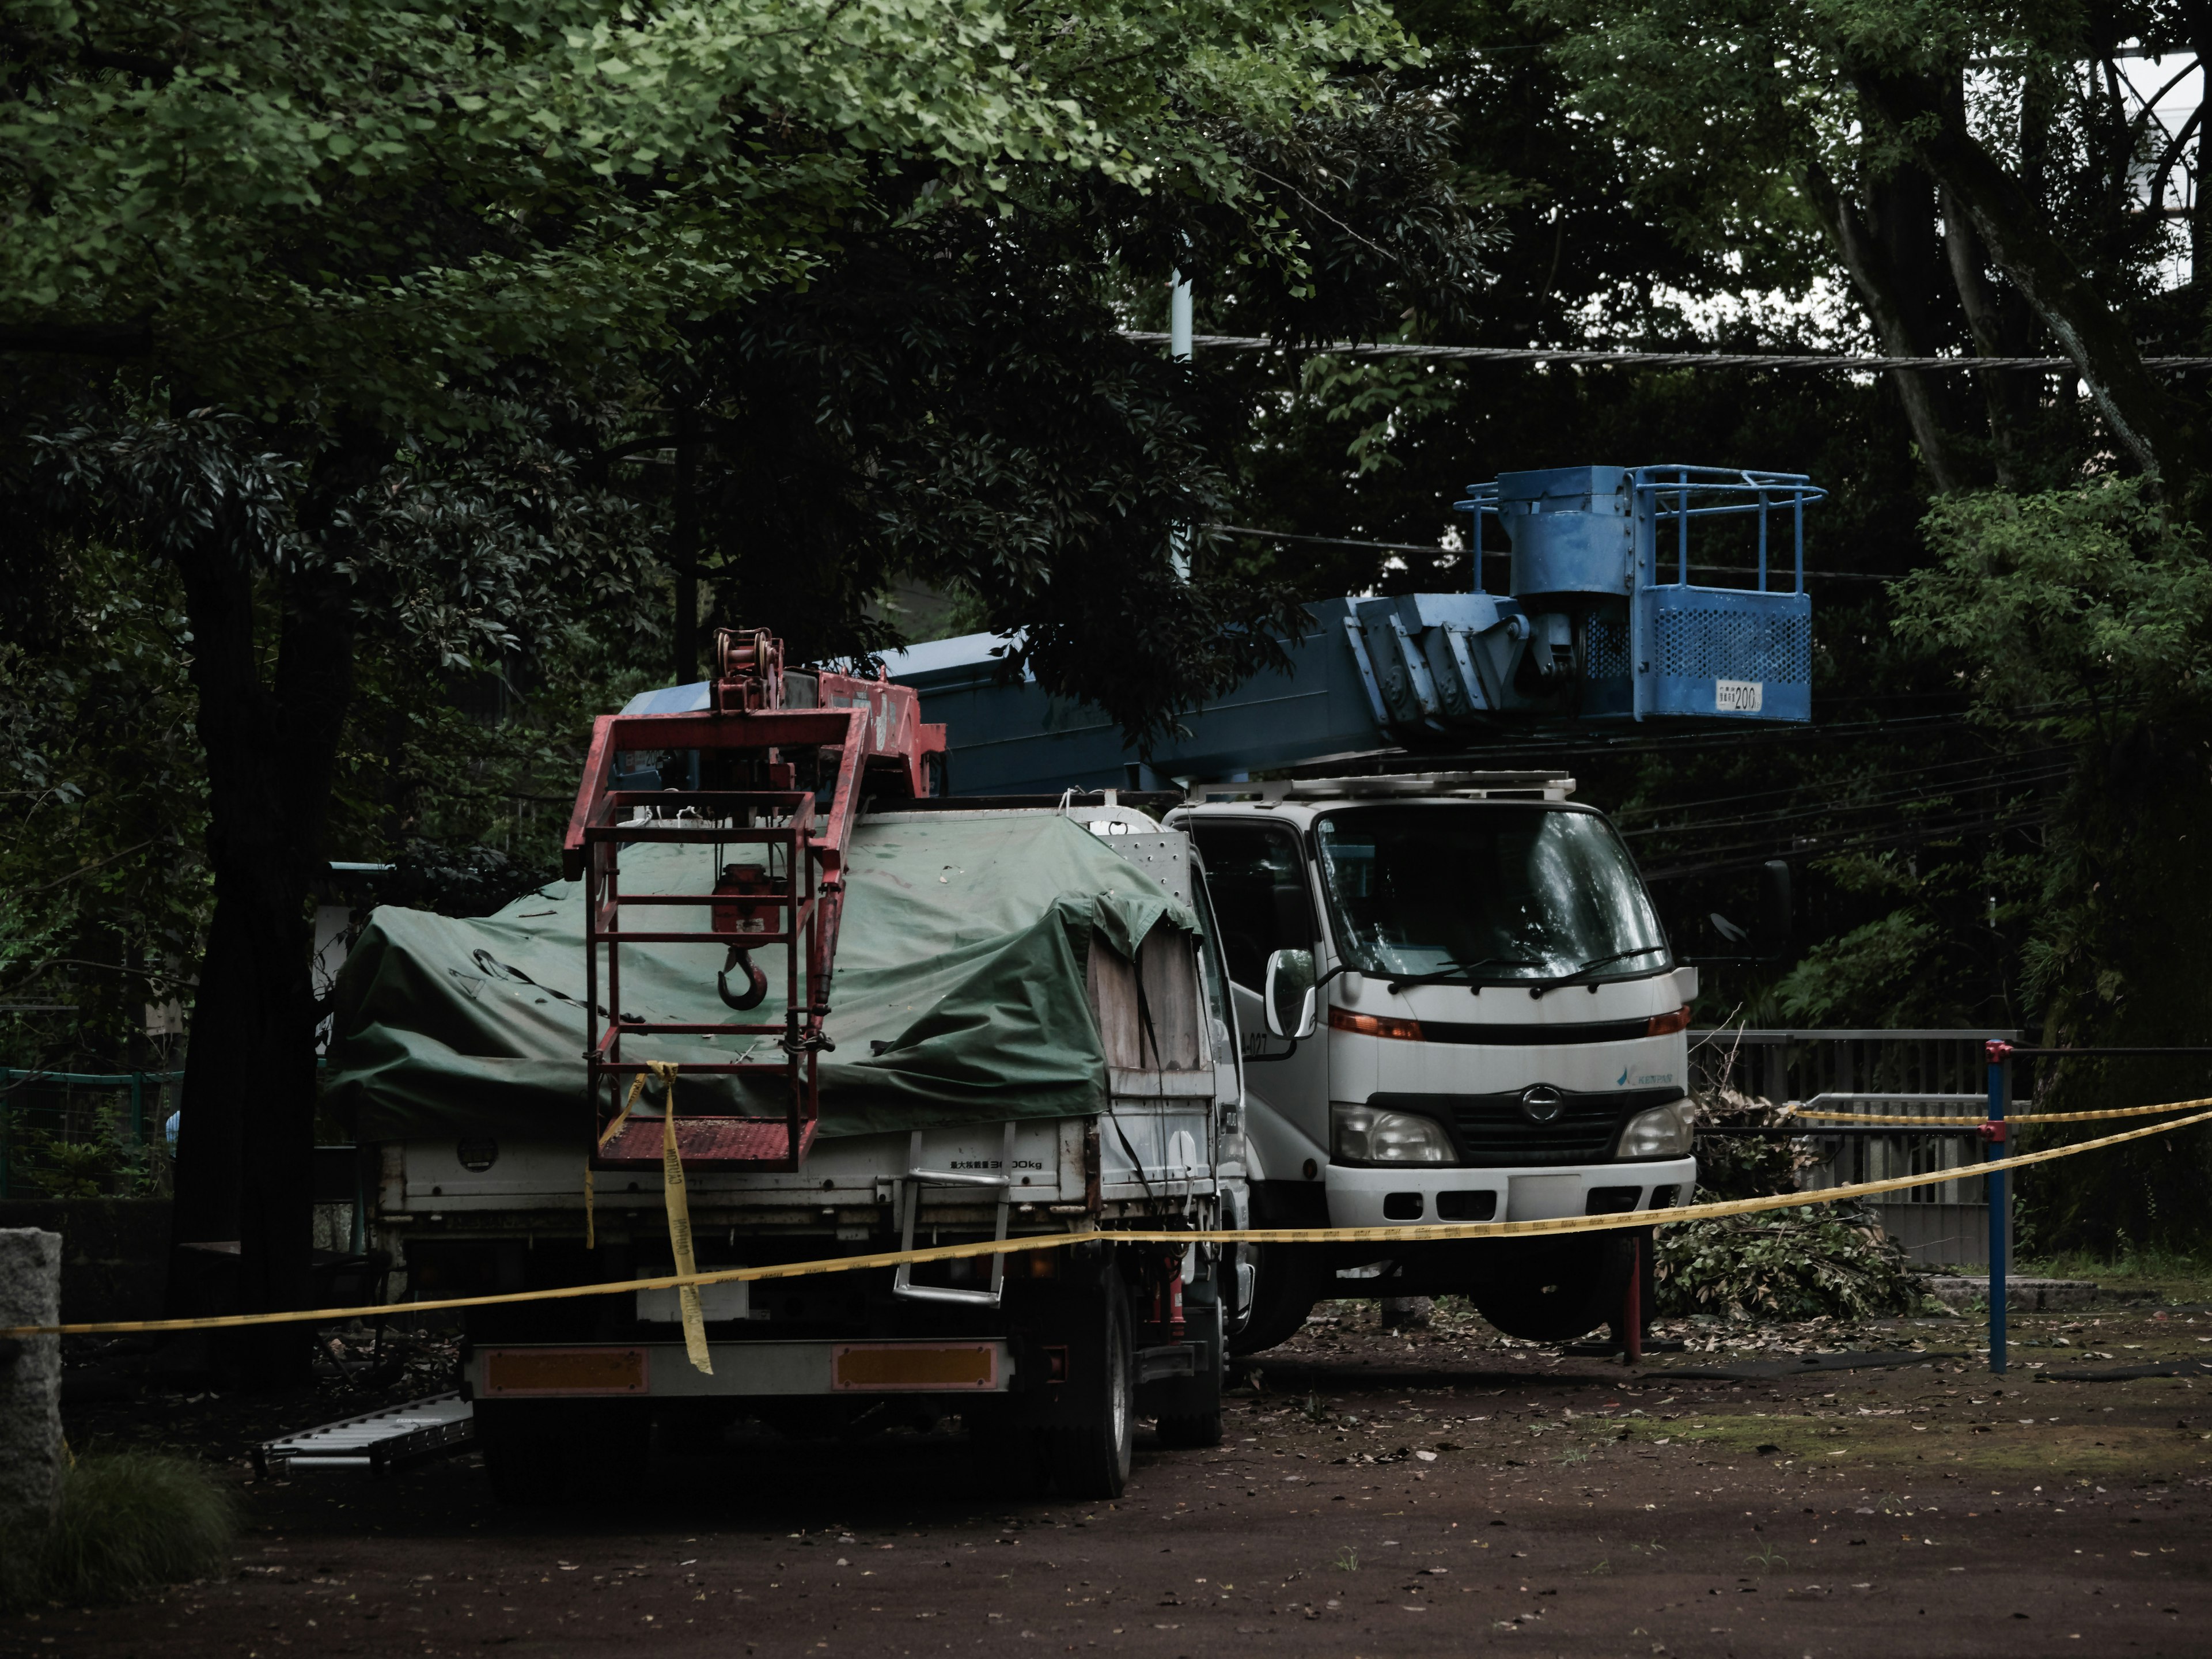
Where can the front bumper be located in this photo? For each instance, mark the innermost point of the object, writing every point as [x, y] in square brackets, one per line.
[1385, 1197]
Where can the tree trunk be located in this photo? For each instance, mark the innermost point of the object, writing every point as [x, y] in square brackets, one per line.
[2018, 233]
[2007, 393]
[1888, 307]
[245, 1144]
[219, 604]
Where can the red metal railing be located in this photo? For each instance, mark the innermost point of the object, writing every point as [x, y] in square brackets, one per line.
[861, 737]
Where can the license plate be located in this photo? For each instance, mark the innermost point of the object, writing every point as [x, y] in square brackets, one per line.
[564, 1371]
[891, 1367]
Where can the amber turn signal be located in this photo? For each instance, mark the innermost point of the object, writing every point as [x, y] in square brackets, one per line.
[1667, 1024]
[1379, 1025]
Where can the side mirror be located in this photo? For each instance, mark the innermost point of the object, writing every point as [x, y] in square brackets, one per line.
[1288, 997]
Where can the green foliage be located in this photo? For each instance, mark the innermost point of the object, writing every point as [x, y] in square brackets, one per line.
[98, 1161]
[104, 893]
[1876, 974]
[1824, 1261]
[2051, 607]
[365, 202]
[2082, 616]
[128, 1521]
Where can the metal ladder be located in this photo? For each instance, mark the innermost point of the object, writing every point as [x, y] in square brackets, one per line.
[916, 1179]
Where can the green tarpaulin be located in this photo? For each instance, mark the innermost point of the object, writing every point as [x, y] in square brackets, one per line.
[959, 992]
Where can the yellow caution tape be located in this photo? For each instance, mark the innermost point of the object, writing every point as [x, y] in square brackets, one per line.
[1432, 1233]
[676, 1192]
[2009, 1118]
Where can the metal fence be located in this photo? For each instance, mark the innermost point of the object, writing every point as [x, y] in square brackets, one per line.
[1904, 1071]
[84, 1133]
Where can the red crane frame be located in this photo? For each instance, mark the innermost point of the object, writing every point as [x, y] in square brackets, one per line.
[860, 737]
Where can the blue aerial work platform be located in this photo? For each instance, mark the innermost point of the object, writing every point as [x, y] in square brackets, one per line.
[1592, 627]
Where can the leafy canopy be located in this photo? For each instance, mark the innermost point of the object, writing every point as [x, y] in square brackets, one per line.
[353, 204]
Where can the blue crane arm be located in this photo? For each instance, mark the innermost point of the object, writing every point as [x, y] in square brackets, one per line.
[1593, 628]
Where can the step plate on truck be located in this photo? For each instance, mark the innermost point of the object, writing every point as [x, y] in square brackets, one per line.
[543, 1371]
[708, 1143]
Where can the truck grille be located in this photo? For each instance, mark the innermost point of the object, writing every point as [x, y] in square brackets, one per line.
[1491, 1131]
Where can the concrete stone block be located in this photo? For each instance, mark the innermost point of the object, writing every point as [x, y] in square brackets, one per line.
[30, 1378]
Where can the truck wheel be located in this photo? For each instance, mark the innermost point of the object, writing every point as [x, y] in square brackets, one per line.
[1091, 1459]
[1194, 1418]
[554, 1451]
[523, 1451]
[1555, 1293]
[1282, 1296]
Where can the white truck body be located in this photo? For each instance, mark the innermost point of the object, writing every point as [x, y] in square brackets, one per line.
[1535, 1087]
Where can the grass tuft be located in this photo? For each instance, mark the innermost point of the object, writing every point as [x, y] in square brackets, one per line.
[127, 1522]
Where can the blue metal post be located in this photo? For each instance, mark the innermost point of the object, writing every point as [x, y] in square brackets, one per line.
[1682, 529]
[1762, 541]
[2000, 1055]
[1477, 545]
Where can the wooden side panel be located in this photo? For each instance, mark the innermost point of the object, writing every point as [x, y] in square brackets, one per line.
[1170, 981]
[1114, 998]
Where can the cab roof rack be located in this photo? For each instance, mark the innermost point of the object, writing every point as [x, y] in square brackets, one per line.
[1466, 786]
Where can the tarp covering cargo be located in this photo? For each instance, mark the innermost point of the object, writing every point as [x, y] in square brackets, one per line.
[959, 994]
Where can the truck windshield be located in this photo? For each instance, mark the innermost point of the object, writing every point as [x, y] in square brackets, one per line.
[1504, 893]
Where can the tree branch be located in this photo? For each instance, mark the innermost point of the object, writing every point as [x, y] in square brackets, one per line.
[1864, 257]
[2016, 230]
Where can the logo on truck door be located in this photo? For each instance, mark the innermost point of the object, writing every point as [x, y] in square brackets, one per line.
[1542, 1104]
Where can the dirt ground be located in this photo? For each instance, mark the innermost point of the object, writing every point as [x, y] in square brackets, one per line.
[1378, 1493]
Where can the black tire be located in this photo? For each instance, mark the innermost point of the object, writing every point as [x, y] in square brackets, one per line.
[1195, 1418]
[1090, 1460]
[1282, 1296]
[524, 1451]
[541, 1452]
[1555, 1292]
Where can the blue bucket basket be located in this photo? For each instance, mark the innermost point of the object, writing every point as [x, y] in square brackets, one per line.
[1610, 547]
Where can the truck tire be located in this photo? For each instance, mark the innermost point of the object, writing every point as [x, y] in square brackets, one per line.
[1282, 1296]
[1193, 1417]
[541, 1452]
[1091, 1459]
[1555, 1292]
[523, 1451]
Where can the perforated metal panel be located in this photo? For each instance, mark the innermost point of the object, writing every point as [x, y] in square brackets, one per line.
[1719, 639]
[1725, 652]
[1605, 648]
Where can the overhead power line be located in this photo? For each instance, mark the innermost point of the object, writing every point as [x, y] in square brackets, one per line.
[1501, 553]
[1831, 360]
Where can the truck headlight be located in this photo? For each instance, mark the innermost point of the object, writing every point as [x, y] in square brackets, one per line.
[1663, 1132]
[1364, 1135]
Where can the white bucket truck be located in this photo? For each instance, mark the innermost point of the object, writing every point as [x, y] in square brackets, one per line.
[1458, 1005]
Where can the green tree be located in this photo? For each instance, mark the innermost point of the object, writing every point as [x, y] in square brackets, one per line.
[351, 318]
[2086, 616]
[1976, 171]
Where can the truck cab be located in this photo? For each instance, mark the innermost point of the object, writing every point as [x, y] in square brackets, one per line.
[1458, 1005]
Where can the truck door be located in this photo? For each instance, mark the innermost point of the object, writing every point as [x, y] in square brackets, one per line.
[1263, 898]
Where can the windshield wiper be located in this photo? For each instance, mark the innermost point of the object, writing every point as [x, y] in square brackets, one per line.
[1595, 961]
[1399, 985]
